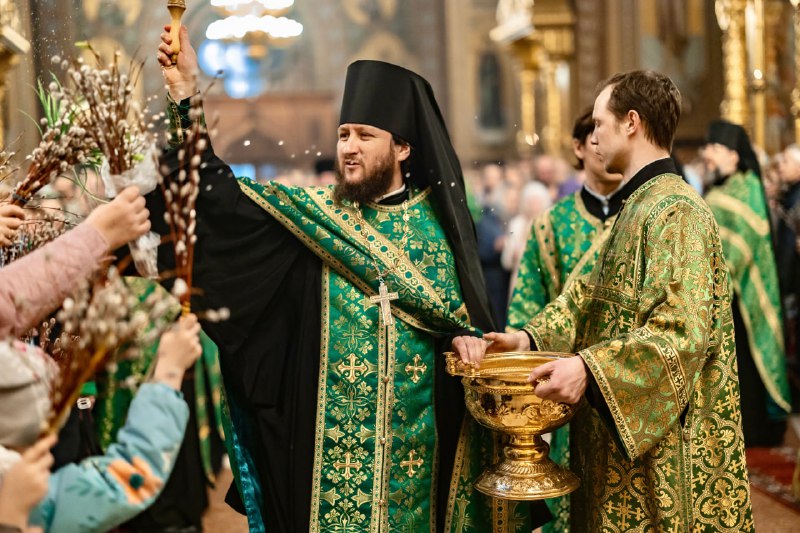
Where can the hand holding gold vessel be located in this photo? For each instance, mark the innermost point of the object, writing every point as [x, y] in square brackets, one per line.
[499, 395]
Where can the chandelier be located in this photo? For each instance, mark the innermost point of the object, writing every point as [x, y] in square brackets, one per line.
[238, 45]
[255, 20]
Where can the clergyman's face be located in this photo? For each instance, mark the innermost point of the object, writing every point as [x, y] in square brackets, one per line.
[366, 162]
[720, 159]
[594, 166]
[609, 138]
[361, 151]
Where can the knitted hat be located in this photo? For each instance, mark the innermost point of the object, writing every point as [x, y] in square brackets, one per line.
[25, 380]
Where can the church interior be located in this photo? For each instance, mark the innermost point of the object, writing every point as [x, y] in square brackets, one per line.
[510, 76]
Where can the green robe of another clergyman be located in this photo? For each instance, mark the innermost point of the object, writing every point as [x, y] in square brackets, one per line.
[741, 213]
[653, 324]
[116, 391]
[563, 244]
[375, 463]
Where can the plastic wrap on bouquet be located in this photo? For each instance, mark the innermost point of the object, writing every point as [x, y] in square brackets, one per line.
[144, 175]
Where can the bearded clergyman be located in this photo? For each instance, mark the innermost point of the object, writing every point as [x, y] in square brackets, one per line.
[342, 300]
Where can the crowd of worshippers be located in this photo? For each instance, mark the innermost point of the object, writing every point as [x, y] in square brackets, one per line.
[507, 198]
[85, 491]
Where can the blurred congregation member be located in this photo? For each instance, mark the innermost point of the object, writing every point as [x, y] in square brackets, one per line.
[535, 200]
[325, 169]
[787, 203]
[491, 232]
[563, 243]
[737, 199]
[545, 171]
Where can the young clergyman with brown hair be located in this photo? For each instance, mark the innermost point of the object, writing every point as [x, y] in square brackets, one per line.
[659, 443]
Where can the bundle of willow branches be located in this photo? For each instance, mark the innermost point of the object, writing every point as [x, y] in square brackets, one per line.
[180, 189]
[34, 234]
[101, 323]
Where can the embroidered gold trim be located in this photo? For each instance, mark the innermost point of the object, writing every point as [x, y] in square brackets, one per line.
[319, 432]
[391, 256]
[616, 413]
[458, 464]
[739, 208]
[766, 308]
[398, 208]
[599, 240]
[327, 258]
[672, 361]
[546, 239]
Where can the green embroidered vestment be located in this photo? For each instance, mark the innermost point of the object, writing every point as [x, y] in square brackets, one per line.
[741, 213]
[375, 463]
[558, 242]
[653, 323]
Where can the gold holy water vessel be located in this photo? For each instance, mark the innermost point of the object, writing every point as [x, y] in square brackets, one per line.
[499, 397]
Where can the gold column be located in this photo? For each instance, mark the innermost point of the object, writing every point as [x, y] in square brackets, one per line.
[558, 41]
[12, 46]
[551, 133]
[731, 18]
[528, 53]
[796, 91]
[758, 71]
[515, 30]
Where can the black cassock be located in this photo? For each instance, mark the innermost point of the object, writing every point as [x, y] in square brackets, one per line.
[248, 262]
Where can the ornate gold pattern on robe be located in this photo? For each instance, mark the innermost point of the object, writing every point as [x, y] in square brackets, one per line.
[653, 323]
[375, 464]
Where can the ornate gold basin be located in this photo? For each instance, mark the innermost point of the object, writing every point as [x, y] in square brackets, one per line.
[499, 397]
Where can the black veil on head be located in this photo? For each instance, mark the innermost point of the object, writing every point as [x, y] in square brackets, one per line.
[402, 102]
[734, 137]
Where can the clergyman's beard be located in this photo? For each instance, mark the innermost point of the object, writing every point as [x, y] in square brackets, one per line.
[370, 187]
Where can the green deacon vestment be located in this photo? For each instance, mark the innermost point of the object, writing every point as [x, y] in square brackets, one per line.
[562, 245]
[740, 209]
[661, 449]
[375, 453]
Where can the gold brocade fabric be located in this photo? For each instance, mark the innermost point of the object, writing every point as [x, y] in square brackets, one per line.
[376, 456]
[653, 323]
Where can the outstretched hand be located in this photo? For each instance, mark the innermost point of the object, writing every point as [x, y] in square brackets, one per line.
[181, 78]
[122, 220]
[563, 380]
[508, 342]
[26, 483]
[11, 218]
[471, 350]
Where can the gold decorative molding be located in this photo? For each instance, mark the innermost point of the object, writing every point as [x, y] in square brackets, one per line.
[13, 45]
[758, 72]
[541, 36]
[735, 106]
[796, 91]
[731, 19]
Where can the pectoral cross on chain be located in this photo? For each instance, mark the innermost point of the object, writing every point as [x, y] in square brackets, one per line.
[383, 298]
